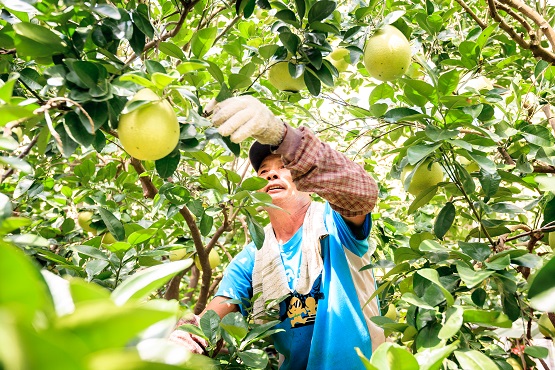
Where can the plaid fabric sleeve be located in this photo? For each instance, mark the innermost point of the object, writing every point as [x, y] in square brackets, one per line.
[316, 167]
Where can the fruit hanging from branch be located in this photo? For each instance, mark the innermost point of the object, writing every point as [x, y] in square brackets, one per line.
[281, 79]
[387, 54]
[424, 177]
[149, 132]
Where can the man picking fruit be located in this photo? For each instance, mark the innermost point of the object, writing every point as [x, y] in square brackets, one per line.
[312, 251]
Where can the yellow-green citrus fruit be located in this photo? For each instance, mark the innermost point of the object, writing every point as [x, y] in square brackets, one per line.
[546, 326]
[470, 166]
[108, 238]
[213, 257]
[340, 58]
[515, 364]
[281, 79]
[84, 220]
[178, 254]
[150, 132]
[423, 178]
[551, 239]
[387, 54]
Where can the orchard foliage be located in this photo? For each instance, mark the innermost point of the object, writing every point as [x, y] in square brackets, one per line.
[461, 261]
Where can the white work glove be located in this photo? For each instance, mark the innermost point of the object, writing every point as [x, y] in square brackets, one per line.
[245, 116]
[193, 343]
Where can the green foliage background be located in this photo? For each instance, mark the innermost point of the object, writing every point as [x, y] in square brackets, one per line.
[457, 262]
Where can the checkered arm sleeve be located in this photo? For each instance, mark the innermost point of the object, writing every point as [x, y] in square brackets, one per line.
[316, 167]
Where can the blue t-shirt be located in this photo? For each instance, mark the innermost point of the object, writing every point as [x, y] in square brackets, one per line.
[323, 327]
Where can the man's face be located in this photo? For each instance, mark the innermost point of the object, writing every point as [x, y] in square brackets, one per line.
[280, 183]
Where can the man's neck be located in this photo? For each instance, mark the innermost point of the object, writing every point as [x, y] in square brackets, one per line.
[287, 220]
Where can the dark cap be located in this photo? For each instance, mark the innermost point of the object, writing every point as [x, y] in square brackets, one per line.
[257, 153]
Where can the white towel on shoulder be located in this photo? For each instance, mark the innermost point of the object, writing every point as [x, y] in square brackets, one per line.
[269, 278]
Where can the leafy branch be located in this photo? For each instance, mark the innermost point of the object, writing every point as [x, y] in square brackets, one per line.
[520, 12]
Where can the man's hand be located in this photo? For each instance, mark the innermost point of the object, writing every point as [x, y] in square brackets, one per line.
[191, 342]
[245, 116]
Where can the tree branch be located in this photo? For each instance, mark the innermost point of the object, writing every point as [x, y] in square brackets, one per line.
[472, 14]
[150, 191]
[172, 291]
[21, 155]
[518, 17]
[550, 118]
[536, 17]
[186, 9]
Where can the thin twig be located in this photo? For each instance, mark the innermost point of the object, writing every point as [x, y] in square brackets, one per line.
[536, 17]
[472, 14]
[23, 154]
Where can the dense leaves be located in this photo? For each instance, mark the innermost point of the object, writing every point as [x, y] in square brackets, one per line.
[461, 261]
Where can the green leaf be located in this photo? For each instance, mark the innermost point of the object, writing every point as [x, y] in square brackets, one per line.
[85, 170]
[162, 80]
[235, 324]
[470, 52]
[18, 164]
[444, 220]
[432, 358]
[312, 83]
[137, 40]
[28, 240]
[433, 276]
[5, 208]
[254, 358]
[479, 297]
[471, 277]
[107, 10]
[260, 331]
[6, 90]
[382, 91]
[289, 40]
[140, 285]
[301, 8]
[320, 10]
[256, 231]
[210, 325]
[36, 41]
[212, 182]
[76, 131]
[536, 351]
[402, 114]
[416, 301]
[391, 356]
[418, 152]
[104, 325]
[193, 329]
[365, 361]
[172, 50]
[205, 225]
[475, 360]
[27, 288]
[420, 92]
[254, 183]
[542, 288]
[477, 251]
[203, 40]
[453, 323]
[115, 227]
[427, 337]
[287, 16]
[143, 23]
[487, 318]
[90, 251]
[166, 167]
[141, 236]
